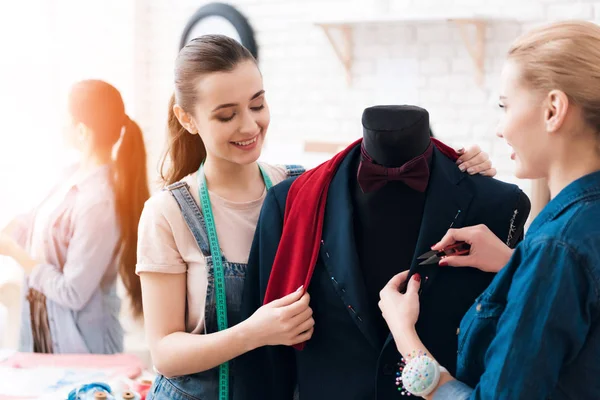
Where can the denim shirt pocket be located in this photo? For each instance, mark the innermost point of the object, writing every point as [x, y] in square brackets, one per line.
[476, 330]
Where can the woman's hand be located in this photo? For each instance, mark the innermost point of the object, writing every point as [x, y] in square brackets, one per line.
[7, 245]
[488, 253]
[400, 311]
[10, 248]
[474, 161]
[286, 321]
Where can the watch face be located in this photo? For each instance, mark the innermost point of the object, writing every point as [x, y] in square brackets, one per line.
[216, 25]
[223, 19]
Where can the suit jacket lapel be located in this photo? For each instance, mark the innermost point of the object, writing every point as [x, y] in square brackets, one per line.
[446, 206]
[338, 251]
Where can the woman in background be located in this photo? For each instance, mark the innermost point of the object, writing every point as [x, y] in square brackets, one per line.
[76, 242]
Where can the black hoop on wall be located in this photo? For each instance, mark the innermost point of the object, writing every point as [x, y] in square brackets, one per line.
[231, 15]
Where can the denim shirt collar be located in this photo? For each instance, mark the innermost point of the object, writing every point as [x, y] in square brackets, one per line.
[584, 187]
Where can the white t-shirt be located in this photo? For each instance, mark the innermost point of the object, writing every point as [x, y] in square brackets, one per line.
[166, 245]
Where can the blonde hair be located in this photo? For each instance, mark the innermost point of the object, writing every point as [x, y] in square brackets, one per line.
[564, 56]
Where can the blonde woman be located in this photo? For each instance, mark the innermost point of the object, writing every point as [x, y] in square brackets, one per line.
[535, 332]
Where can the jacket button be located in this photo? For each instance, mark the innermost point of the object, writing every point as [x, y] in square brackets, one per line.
[478, 308]
[457, 331]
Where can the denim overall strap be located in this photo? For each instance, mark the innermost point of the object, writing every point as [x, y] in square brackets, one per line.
[204, 384]
[192, 214]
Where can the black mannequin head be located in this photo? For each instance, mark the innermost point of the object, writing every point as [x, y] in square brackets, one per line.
[393, 135]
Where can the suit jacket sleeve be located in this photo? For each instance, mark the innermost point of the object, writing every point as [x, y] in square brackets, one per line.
[268, 372]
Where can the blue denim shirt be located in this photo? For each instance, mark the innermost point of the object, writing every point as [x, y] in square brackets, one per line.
[535, 332]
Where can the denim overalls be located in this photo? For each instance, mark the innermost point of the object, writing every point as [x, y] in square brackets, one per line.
[205, 385]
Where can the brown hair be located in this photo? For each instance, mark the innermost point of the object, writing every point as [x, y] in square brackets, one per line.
[99, 106]
[203, 55]
[563, 56]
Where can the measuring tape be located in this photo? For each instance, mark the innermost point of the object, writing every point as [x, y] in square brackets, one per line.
[218, 272]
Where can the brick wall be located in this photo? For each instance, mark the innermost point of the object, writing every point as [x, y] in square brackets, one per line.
[306, 86]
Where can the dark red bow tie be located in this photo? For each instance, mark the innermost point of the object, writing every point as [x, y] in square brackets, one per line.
[414, 173]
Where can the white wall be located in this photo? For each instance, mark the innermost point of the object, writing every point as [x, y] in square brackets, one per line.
[305, 83]
[46, 46]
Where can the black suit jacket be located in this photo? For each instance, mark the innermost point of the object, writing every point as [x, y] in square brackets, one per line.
[344, 359]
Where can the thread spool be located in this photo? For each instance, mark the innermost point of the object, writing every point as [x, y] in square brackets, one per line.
[142, 387]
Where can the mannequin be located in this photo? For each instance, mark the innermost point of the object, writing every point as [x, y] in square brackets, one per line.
[365, 237]
[392, 136]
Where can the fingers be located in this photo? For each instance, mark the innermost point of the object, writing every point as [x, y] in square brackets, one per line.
[305, 326]
[298, 307]
[474, 161]
[469, 164]
[396, 281]
[303, 337]
[414, 284]
[489, 172]
[468, 154]
[457, 261]
[302, 317]
[289, 299]
[476, 169]
[453, 236]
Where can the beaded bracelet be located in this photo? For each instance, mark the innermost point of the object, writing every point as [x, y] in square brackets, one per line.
[419, 376]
